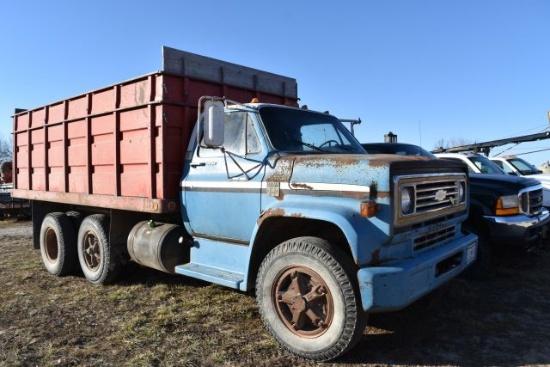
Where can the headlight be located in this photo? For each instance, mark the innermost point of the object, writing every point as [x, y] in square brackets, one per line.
[507, 205]
[461, 192]
[407, 200]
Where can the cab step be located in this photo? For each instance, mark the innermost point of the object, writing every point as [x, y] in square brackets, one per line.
[210, 274]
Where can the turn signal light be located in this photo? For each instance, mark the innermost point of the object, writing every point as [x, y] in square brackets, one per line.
[255, 100]
[369, 209]
[505, 206]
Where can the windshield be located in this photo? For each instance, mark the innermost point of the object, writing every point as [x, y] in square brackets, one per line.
[523, 167]
[485, 165]
[297, 131]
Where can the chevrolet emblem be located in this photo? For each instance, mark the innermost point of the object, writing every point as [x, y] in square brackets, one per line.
[440, 195]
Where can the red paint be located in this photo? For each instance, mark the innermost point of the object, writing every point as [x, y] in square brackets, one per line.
[122, 146]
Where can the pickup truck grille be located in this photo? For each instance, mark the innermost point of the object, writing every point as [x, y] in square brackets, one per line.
[423, 197]
[531, 200]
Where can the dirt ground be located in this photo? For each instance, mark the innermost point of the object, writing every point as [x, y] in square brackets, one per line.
[152, 319]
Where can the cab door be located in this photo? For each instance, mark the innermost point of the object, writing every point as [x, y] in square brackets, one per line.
[223, 186]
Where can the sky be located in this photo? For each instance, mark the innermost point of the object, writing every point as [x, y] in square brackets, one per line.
[429, 71]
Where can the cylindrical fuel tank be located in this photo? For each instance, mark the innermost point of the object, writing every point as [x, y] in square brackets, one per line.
[160, 246]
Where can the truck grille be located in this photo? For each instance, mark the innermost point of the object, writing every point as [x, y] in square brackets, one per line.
[531, 200]
[433, 196]
[423, 197]
[433, 238]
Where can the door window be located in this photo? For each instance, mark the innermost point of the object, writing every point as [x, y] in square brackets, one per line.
[240, 136]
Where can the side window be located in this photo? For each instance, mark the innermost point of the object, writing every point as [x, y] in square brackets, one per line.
[480, 167]
[470, 170]
[240, 135]
[503, 166]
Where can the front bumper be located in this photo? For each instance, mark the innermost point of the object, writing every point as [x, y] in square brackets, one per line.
[396, 285]
[517, 229]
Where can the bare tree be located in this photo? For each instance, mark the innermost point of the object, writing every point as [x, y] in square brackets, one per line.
[5, 150]
[441, 144]
[451, 143]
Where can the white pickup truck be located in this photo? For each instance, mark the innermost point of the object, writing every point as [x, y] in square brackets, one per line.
[513, 165]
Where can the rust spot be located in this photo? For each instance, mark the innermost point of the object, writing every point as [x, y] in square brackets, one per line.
[340, 159]
[352, 194]
[282, 171]
[274, 213]
[373, 190]
[270, 213]
[301, 186]
[277, 213]
[375, 257]
[375, 194]
[382, 160]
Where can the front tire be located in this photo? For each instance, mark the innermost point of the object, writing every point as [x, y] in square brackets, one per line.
[95, 254]
[58, 244]
[308, 299]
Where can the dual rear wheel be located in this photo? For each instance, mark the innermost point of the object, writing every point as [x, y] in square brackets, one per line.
[66, 241]
[58, 244]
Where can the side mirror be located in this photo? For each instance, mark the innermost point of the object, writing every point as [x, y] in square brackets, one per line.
[213, 123]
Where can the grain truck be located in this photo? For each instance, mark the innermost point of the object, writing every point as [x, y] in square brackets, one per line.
[210, 170]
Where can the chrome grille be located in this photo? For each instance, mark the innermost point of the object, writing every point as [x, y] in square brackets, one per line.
[433, 196]
[531, 200]
[436, 195]
[433, 238]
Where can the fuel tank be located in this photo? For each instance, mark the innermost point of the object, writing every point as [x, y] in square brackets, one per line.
[160, 246]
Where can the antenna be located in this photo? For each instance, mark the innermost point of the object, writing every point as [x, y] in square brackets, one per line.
[420, 132]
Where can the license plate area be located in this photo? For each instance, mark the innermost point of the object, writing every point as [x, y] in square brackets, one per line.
[471, 253]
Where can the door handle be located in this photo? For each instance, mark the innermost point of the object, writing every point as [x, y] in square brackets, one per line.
[202, 164]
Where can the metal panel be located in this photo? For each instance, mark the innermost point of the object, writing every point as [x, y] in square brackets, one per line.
[123, 146]
[221, 72]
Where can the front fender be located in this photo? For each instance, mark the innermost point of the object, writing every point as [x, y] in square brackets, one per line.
[344, 216]
[343, 213]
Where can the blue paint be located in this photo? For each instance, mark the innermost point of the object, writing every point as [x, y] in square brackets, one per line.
[230, 195]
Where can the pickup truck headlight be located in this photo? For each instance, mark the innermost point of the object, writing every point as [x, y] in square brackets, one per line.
[407, 199]
[507, 205]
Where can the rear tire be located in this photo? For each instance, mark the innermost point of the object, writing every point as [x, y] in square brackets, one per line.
[58, 244]
[76, 219]
[95, 254]
[309, 300]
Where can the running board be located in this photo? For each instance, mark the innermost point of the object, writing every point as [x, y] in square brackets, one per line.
[212, 275]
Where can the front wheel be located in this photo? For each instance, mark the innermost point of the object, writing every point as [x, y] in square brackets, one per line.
[308, 299]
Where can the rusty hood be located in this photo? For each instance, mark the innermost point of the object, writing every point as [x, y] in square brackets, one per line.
[360, 173]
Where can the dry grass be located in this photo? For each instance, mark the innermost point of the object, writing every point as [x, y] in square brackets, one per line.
[153, 319]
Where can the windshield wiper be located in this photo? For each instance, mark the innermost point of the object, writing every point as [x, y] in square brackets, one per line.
[309, 145]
